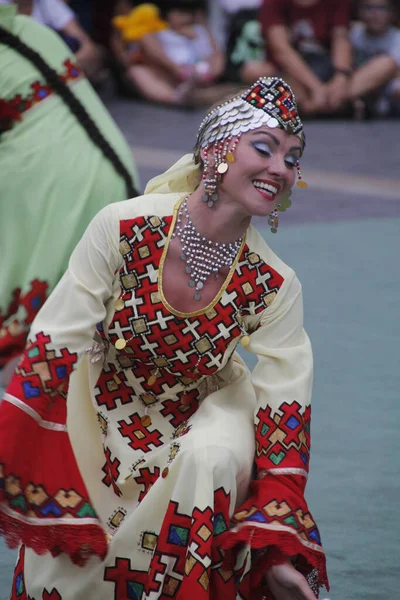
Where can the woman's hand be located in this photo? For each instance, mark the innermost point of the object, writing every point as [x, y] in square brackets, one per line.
[286, 583]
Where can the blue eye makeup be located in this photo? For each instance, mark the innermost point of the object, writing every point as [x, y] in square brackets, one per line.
[290, 161]
[262, 147]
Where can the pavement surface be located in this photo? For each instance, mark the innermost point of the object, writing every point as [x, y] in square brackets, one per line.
[342, 236]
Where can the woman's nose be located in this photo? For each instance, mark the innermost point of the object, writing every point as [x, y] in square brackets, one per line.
[277, 167]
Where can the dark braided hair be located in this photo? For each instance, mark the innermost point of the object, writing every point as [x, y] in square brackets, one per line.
[74, 105]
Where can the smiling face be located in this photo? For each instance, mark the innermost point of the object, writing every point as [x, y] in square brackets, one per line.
[263, 172]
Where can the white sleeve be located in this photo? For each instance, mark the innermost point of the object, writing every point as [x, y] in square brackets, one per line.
[54, 13]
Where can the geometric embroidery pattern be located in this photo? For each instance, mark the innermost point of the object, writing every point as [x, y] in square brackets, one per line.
[283, 439]
[128, 583]
[141, 438]
[43, 370]
[186, 556]
[18, 591]
[278, 512]
[34, 500]
[148, 541]
[185, 550]
[53, 595]
[116, 519]
[12, 110]
[166, 345]
[147, 479]
[111, 471]
[13, 331]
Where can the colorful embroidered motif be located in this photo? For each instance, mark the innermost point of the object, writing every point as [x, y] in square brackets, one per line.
[12, 110]
[44, 371]
[141, 438]
[111, 471]
[173, 568]
[276, 98]
[117, 518]
[18, 590]
[162, 344]
[53, 595]
[283, 439]
[112, 392]
[128, 582]
[35, 500]
[148, 541]
[13, 331]
[279, 513]
[147, 479]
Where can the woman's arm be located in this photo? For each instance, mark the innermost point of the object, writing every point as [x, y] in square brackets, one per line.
[342, 59]
[53, 512]
[153, 52]
[216, 60]
[290, 61]
[275, 519]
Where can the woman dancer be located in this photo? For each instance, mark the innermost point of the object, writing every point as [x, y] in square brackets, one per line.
[137, 450]
[62, 159]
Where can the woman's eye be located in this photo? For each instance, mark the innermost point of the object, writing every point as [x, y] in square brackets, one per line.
[262, 148]
[290, 162]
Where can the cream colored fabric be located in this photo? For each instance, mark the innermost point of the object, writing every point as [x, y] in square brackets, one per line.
[218, 451]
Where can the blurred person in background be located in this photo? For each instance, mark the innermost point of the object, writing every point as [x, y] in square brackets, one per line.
[375, 84]
[59, 16]
[168, 53]
[245, 50]
[62, 158]
[309, 42]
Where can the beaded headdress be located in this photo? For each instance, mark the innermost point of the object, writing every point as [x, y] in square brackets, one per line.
[270, 101]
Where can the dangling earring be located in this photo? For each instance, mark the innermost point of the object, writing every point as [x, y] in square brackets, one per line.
[273, 221]
[300, 183]
[210, 184]
[285, 203]
[222, 159]
[225, 156]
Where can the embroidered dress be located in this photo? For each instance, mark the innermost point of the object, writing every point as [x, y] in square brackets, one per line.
[53, 178]
[129, 431]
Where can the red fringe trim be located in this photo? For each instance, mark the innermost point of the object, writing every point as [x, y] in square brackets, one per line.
[79, 542]
[286, 545]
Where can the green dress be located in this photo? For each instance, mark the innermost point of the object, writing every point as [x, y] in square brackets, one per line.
[53, 180]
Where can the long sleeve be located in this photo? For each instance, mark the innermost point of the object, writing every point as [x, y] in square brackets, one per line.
[275, 520]
[44, 504]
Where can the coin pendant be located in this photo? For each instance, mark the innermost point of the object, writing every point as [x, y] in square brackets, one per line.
[120, 344]
[119, 304]
[145, 420]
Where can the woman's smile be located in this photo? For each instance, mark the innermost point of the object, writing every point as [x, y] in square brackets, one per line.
[267, 188]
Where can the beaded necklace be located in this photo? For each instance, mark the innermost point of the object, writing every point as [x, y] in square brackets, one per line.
[202, 256]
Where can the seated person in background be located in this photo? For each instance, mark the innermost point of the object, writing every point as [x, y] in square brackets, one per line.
[309, 41]
[58, 15]
[376, 43]
[169, 55]
[246, 52]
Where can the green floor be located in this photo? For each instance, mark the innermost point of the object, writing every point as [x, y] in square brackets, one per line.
[351, 287]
